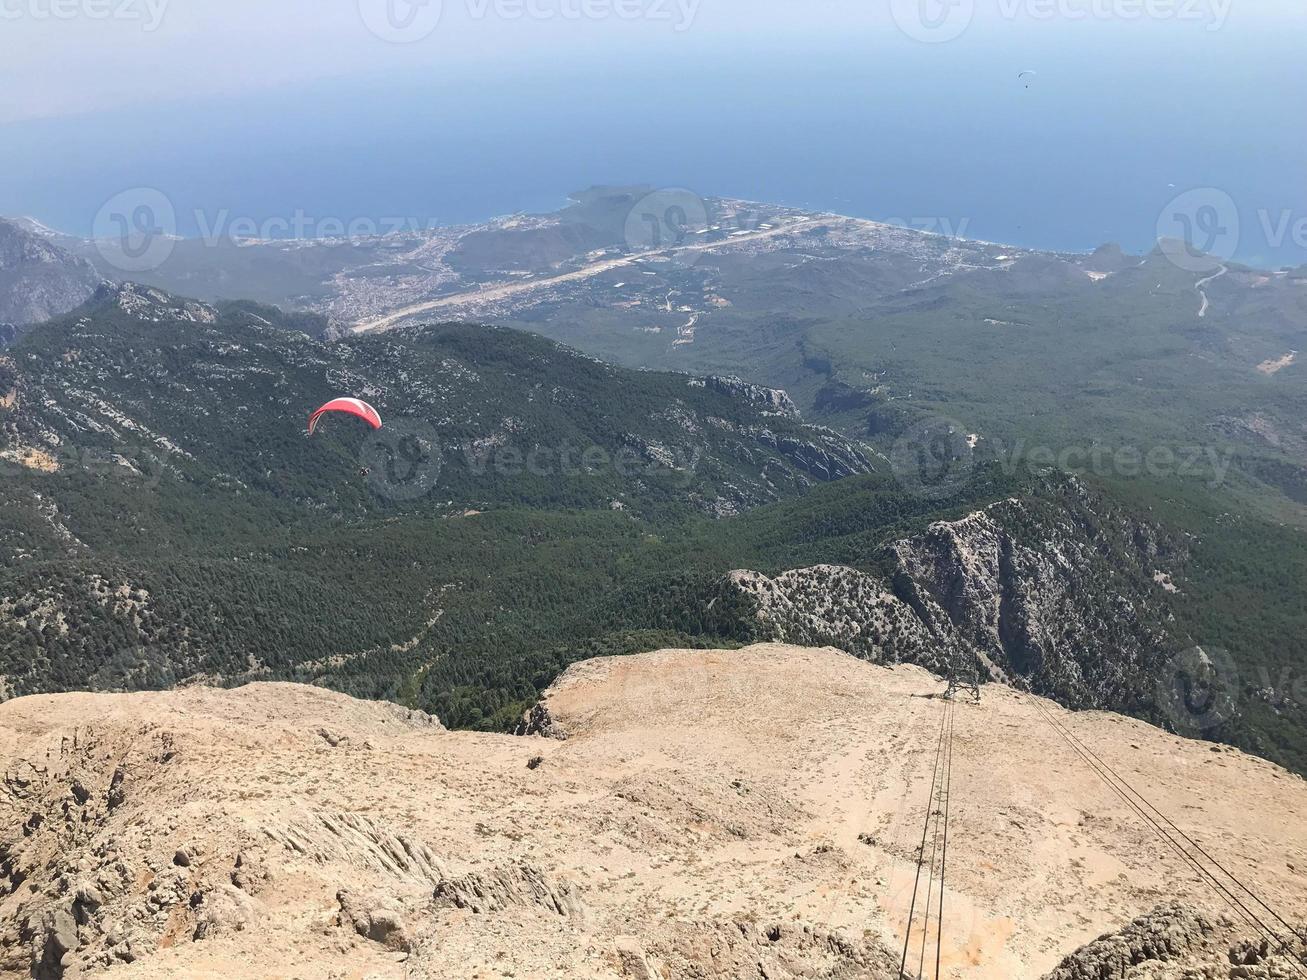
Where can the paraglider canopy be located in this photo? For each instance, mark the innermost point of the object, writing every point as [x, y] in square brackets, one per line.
[348, 406]
[1028, 73]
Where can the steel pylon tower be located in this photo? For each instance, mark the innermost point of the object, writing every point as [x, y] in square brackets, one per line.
[964, 673]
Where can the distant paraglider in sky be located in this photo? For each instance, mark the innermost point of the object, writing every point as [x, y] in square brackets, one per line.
[347, 406]
[1026, 76]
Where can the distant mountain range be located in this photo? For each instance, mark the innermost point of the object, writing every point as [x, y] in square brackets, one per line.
[870, 327]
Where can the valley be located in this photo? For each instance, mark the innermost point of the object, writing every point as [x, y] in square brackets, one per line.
[168, 521]
[1182, 451]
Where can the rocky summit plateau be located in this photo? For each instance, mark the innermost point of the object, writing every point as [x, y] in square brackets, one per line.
[691, 814]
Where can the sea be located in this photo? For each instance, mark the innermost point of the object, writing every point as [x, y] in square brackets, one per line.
[1062, 147]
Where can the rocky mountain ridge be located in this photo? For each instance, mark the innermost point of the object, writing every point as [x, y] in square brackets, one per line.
[1059, 594]
[39, 279]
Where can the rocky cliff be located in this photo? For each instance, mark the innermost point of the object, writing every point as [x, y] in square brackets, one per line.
[1174, 941]
[1059, 593]
[832, 605]
[39, 279]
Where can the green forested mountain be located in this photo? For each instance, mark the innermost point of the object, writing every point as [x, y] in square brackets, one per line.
[166, 514]
[166, 518]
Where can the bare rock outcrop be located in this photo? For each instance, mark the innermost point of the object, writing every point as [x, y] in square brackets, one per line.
[380, 918]
[538, 721]
[1059, 597]
[1175, 941]
[357, 839]
[743, 949]
[222, 910]
[38, 278]
[831, 605]
[154, 305]
[517, 885]
[772, 399]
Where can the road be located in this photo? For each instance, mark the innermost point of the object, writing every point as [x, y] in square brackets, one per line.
[500, 291]
[1202, 311]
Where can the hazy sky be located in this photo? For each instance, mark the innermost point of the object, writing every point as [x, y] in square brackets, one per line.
[60, 57]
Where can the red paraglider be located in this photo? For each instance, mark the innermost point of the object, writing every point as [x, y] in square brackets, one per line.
[349, 406]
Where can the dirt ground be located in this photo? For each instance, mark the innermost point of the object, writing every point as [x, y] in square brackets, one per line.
[710, 814]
